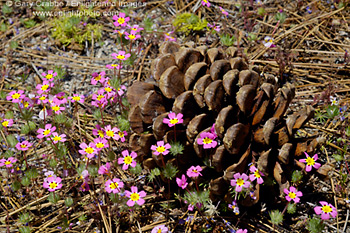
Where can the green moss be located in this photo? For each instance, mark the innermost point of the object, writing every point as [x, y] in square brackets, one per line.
[68, 29]
[189, 23]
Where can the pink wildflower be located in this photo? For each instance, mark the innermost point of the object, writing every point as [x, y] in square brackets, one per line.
[53, 183]
[182, 183]
[194, 171]
[7, 122]
[160, 148]
[59, 98]
[50, 75]
[114, 66]
[135, 196]
[240, 181]
[43, 99]
[57, 138]
[132, 36]
[15, 96]
[113, 186]
[127, 160]
[293, 194]
[256, 175]
[89, 150]
[122, 135]
[104, 169]
[160, 229]
[268, 42]
[173, 119]
[205, 3]
[23, 146]
[207, 140]
[310, 162]
[121, 55]
[77, 98]
[135, 28]
[111, 132]
[168, 37]
[56, 108]
[7, 162]
[46, 132]
[98, 131]
[242, 231]
[98, 77]
[101, 143]
[326, 210]
[120, 20]
[223, 11]
[44, 88]
[121, 90]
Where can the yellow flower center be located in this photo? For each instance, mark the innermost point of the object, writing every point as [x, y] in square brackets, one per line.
[49, 76]
[99, 145]
[121, 20]
[174, 121]
[89, 150]
[76, 98]
[7, 162]
[205, 1]
[44, 87]
[134, 196]
[121, 57]
[128, 159]
[99, 97]
[5, 123]
[108, 89]
[160, 149]
[101, 134]
[114, 65]
[159, 230]
[326, 209]
[56, 108]
[109, 133]
[23, 146]
[114, 185]
[16, 96]
[98, 78]
[132, 36]
[310, 161]
[57, 138]
[26, 104]
[207, 140]
[46, 132]
[53, 185]
[121, 134]
[42, 98]
[292, 195]
[257, 173]
[240, 182]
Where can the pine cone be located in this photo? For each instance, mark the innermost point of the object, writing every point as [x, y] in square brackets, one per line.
[214, 86]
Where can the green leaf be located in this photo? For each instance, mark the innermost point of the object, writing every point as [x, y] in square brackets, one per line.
[53, 197]
[136, 170]
[315, 225]
[53, 163]
[170, 171]
[6, 9]
[276, 217]
[69, 201]
[16, 185]
[13, 44]
[26, 181]
[24, 229]
[3, 27]
[297, 176]
[11, 140]
[60, 118]
[32, 173]
[93, 170]
[25, 129]
[291, 208]
[176, 148]
[9, 115]
[25, 218]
